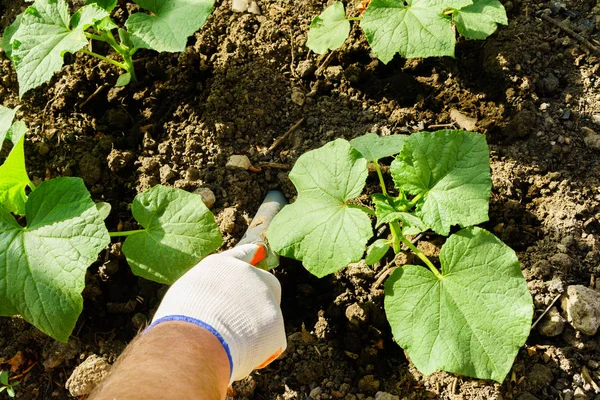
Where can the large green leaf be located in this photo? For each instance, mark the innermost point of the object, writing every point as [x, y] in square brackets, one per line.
[43, 265]
[374, 147]
[480, 20]
[418, 29]
[14, 180]
[7, 37]
[43, 37]
[178, 232]
[169, 26]
[329, 30]
[6, 117]
[472, 321]
[451, 171]
[320, 228]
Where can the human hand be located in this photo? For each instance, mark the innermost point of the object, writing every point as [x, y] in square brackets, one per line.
[236, 302]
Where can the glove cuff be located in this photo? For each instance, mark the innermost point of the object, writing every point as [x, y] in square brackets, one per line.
[201, 324]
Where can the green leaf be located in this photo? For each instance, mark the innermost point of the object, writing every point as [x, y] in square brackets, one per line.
[376, 251]
[172, 22]
[123, 79]
[125, 38]
[329, 30]
[103, 209]
[2, 389]
[374, 147]
[451, 171]
[6, 117]
[479, 20]
[43, 38]
[388, 210]
[107, 5]
[4, 377]
[442, 5]
[16, 132]
[7, 38]
[179, 232]
[43, 265]
[106, 24]
[471, 322]
[10, 391]
[415, 30]
[14, 180]
[320, 228]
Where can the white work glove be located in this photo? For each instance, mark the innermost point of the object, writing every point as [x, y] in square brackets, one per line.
[236, 302]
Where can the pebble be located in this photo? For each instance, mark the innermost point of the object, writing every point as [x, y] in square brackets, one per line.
[385, 396]
[591, 139]
[356, 314]
[582, 306]
[315, 392]
[306, 68]
[87, 375]
[208, 197]
[553, 323]
[42, 148]
[334, 73]
[298, 97]
[368, 383]
[238, 162]
[462, 120]
[166, 173]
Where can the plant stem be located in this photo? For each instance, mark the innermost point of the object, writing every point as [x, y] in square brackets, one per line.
[125, 233]
[353, 19]
[422, 256]
[113, 62]
[415, 200]
[95, 37]
[362, 208]
[380, 175]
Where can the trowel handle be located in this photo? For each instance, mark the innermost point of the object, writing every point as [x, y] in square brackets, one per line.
[255, 233]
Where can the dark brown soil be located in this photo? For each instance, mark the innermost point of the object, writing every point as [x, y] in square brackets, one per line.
[534, 90]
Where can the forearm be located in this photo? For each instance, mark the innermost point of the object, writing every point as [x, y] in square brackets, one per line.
[172, 360]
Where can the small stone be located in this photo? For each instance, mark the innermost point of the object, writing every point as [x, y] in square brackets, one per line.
[315, 392]
[87, 376]
[149, 164]
[552, 324]
[166, 173]
[562, 261]
[118, 159]
[596, 119]
[582, 306]
[208, 197]
[368, 383]
[356, 314]
[306, 68]
[334, 73]
[385, 396]
[521, 125]
[254, 8]
[238, 162]
[298, 97]
[240, 5]
[192, 174]
[467, 123]
[591, 139]
[226, 219]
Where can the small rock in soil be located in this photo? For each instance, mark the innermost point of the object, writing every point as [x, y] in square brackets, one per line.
[87, 375]
[521, 125]
[551, 83]
[462, 120]
[208, 197]
[591, 139]
[552, 324]
[298, 97]
[334, 73]
[315, 392]
[166, 173]
[90, 170]
[149, 164]
[368, 383]
[356, 314]
[226, 219]
[117, 159]
[385, 396]
[238, 162]
[306, 68]
[582, 306]
[562, 261]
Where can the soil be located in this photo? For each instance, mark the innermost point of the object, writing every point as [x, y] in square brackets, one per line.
[242, 82]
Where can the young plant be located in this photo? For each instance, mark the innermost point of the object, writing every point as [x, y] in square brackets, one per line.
[38, 39]
[412, 28]
[43, 263]
[5, 385]
[470, 314]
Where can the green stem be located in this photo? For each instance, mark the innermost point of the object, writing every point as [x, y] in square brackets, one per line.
[125, 233]
[380, 175]
[95, 37]
[422, 256]
[130, 68]
[353, 19]
[113, 62]
[415, 200]
[362, 208]
[396, 235]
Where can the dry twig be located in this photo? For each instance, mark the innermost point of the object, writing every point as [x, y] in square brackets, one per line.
[571, 32]
[285, 136]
